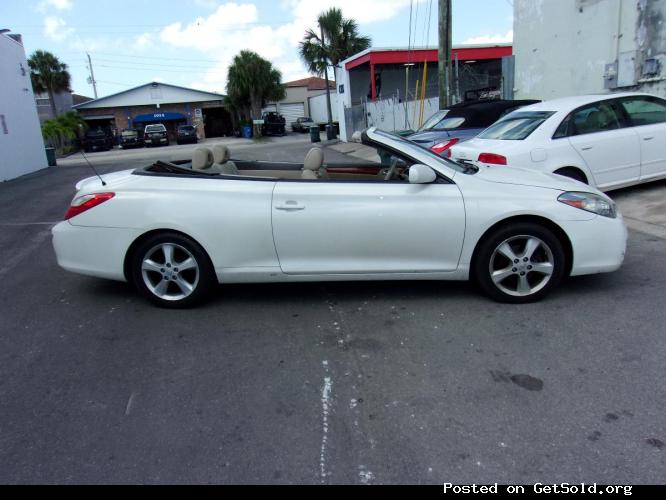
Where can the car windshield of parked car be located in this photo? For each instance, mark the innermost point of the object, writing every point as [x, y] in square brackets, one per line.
[434, 120]
[155, 128]
[516, 126]
[128, 133]
[186, 128]
[410, 148]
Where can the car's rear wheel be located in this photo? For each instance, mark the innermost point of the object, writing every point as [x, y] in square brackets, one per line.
[519, 263]
[172, 270]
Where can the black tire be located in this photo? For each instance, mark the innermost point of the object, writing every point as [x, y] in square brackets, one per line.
[572, 173]
[548, 255]
[174, 296]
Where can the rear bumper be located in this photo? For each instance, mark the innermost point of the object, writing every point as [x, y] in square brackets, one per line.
[93, 251]
[599, 245]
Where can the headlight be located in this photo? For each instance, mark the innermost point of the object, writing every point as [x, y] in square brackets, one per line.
[590, 202]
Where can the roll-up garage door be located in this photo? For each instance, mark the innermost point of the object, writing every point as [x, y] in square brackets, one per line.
[291, 112]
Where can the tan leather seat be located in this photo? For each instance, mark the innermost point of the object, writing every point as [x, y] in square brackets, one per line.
[313, 166]
[202, 159]
[221, 162]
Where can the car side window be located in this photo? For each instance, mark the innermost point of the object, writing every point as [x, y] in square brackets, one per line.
[597, 117]
[645, 110]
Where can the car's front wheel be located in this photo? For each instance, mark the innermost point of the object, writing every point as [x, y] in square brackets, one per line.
[172, 270]
[519, 263]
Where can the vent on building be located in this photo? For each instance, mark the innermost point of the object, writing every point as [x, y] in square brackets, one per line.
[651, 67]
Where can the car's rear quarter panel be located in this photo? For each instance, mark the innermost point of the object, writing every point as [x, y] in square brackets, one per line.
[231, 219]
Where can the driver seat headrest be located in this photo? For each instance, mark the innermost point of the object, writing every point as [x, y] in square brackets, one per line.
[202, 159]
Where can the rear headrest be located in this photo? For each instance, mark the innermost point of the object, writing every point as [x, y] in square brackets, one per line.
[221, 154]
[314, 159]
[202, 159]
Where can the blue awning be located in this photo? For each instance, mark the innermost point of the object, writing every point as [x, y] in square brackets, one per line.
[159, 117]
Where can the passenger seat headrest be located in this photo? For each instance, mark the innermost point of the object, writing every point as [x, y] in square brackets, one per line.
[202, 159]
[314, 159]
[220, 154]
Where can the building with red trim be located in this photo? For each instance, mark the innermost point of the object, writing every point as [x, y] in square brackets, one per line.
[393, 73]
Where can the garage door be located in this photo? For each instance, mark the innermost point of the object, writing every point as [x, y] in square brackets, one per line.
[292, 111]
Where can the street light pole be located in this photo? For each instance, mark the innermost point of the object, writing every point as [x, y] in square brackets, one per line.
[92, 75]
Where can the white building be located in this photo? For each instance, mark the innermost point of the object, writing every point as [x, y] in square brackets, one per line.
[573, 47]
[21, 140]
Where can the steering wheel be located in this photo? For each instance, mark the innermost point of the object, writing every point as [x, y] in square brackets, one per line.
[392, 170]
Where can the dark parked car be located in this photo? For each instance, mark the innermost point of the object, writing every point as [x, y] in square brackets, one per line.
[274, 124]
[97, 140]
[462, 122]
[156, 135]
[131, 138]
[302, 124]
[186, 134]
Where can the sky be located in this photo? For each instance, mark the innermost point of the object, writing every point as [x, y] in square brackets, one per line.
[192, 42]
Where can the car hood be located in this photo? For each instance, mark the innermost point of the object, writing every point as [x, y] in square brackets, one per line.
[502, 174]
[113, 179]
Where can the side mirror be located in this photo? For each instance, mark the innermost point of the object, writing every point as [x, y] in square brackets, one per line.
[421, 174]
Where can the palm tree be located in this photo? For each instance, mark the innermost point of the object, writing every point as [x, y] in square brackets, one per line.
[49, 75]
[341, 40]
[251, 81]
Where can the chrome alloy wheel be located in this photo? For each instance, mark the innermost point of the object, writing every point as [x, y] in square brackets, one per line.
[521, 265]
[170, 271]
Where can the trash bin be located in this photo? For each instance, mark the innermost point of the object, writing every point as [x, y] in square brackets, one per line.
[330, 132]
[247, 132]
[314, 134]
[50, 157]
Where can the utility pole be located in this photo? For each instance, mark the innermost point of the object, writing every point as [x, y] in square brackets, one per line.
[92, 75]
[328, 90]
[444, 53]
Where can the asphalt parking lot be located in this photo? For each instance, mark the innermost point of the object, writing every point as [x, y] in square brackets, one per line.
[398, 382]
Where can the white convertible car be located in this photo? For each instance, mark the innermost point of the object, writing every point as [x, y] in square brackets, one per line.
[175, 230]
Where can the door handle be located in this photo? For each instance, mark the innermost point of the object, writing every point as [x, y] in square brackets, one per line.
[586, 148]
[290, 206]
[648, 138]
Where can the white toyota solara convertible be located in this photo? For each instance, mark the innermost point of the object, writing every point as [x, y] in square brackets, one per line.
[175, 230]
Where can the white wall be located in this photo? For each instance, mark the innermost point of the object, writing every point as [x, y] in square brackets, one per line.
[561, 47]
[318, 108]
[21, 144]
[389, 114]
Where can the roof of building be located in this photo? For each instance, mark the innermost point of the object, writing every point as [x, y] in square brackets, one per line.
[150, 94]
[312, 83]
[402, 55]
[80, 99]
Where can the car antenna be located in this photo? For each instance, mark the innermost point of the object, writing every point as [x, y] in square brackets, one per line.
[93, 168]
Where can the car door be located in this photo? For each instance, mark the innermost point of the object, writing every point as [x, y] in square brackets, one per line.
[341, 227]
[647, 115]
[609, 148]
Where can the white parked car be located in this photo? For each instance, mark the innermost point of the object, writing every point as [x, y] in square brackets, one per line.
[608, 141]
[175, 231]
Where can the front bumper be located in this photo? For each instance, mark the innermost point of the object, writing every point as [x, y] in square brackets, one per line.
[599, 244]
[93, 251]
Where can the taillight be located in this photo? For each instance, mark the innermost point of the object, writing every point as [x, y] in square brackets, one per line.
[443, 146]
[86, 202]
[492, 158]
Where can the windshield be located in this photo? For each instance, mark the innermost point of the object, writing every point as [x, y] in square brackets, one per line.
[186, 128]
[155, 128]
[129, 133]
[410, 148]
[434, 119]
[516, 126]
